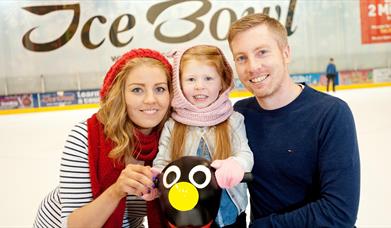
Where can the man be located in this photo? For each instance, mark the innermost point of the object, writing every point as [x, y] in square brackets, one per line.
[306, 160]
[331, 74]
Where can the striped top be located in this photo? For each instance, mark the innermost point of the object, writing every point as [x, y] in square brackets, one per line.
[75, 191]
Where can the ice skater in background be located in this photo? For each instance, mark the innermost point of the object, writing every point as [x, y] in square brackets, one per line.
[204, 124]
[331, 74]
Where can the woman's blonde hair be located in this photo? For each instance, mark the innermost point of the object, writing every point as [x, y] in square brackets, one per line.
[113, 114]
[252, 20]
[212, 56]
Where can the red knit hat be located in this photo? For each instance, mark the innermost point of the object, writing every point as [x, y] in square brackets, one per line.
[134, 53]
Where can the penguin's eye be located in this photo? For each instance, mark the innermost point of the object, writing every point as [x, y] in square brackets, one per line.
[200, 176]
[171, 176]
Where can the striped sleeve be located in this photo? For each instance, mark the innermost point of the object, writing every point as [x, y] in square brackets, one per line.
[49, 210]
[75, 184]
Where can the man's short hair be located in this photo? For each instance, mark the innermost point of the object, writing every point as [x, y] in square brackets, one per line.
[252, 20]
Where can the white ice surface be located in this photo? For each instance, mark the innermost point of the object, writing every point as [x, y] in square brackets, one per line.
[31, 146]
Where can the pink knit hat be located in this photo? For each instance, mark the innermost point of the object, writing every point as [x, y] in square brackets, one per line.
[187, 113]
[134, 53]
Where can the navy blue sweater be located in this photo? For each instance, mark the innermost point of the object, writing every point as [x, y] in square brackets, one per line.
[306, 162]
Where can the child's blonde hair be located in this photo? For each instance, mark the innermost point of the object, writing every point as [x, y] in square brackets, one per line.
[211, 56]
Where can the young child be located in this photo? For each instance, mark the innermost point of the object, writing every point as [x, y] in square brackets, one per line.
[204, 124]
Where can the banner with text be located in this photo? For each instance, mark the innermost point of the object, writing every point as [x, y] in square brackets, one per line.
[375, 21]
[18, 101]
[355, 77]
[57, 98]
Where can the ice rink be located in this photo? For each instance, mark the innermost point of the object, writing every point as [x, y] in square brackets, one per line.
[31, 146]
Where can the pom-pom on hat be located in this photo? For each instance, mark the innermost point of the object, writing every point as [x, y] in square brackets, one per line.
[134, 53]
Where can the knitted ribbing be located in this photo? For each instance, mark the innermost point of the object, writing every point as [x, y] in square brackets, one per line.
[134, 53]
[187, 113]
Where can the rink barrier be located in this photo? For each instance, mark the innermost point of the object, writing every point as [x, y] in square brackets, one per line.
[354, 86]
[50, 101]
[73, 100]
[48, 109]
[70, 100]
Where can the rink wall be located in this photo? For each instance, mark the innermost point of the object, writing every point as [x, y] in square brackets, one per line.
[53, 45]
[66, 100]
[348, 79]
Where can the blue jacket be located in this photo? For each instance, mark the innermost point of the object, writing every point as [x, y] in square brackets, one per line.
[331, 69]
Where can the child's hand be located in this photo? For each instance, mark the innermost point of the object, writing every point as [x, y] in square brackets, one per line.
[154, 192]
[228, 172]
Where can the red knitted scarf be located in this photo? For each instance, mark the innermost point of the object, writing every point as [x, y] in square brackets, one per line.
[104, 171]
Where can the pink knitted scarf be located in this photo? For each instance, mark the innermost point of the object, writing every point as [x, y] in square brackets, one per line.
[186, 113]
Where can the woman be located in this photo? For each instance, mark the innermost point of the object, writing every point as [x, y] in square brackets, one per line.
[105, 174]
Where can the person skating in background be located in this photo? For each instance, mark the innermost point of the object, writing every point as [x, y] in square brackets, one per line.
[331, 74]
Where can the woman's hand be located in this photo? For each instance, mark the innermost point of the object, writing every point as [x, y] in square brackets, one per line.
[134, 180]
[154, 193]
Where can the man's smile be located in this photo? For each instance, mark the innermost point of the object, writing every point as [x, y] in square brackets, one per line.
[259, 78]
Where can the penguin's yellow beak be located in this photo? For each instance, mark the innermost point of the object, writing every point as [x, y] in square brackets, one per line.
[183, 196]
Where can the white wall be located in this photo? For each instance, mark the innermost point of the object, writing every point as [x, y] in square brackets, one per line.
[321, 29]
[31, 146]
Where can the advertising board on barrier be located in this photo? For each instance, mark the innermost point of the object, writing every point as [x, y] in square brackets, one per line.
[57, 98]
[18, 101]
[88, 96]
[238, 85]
[355, 77]
[309, 79]
[382, 75]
